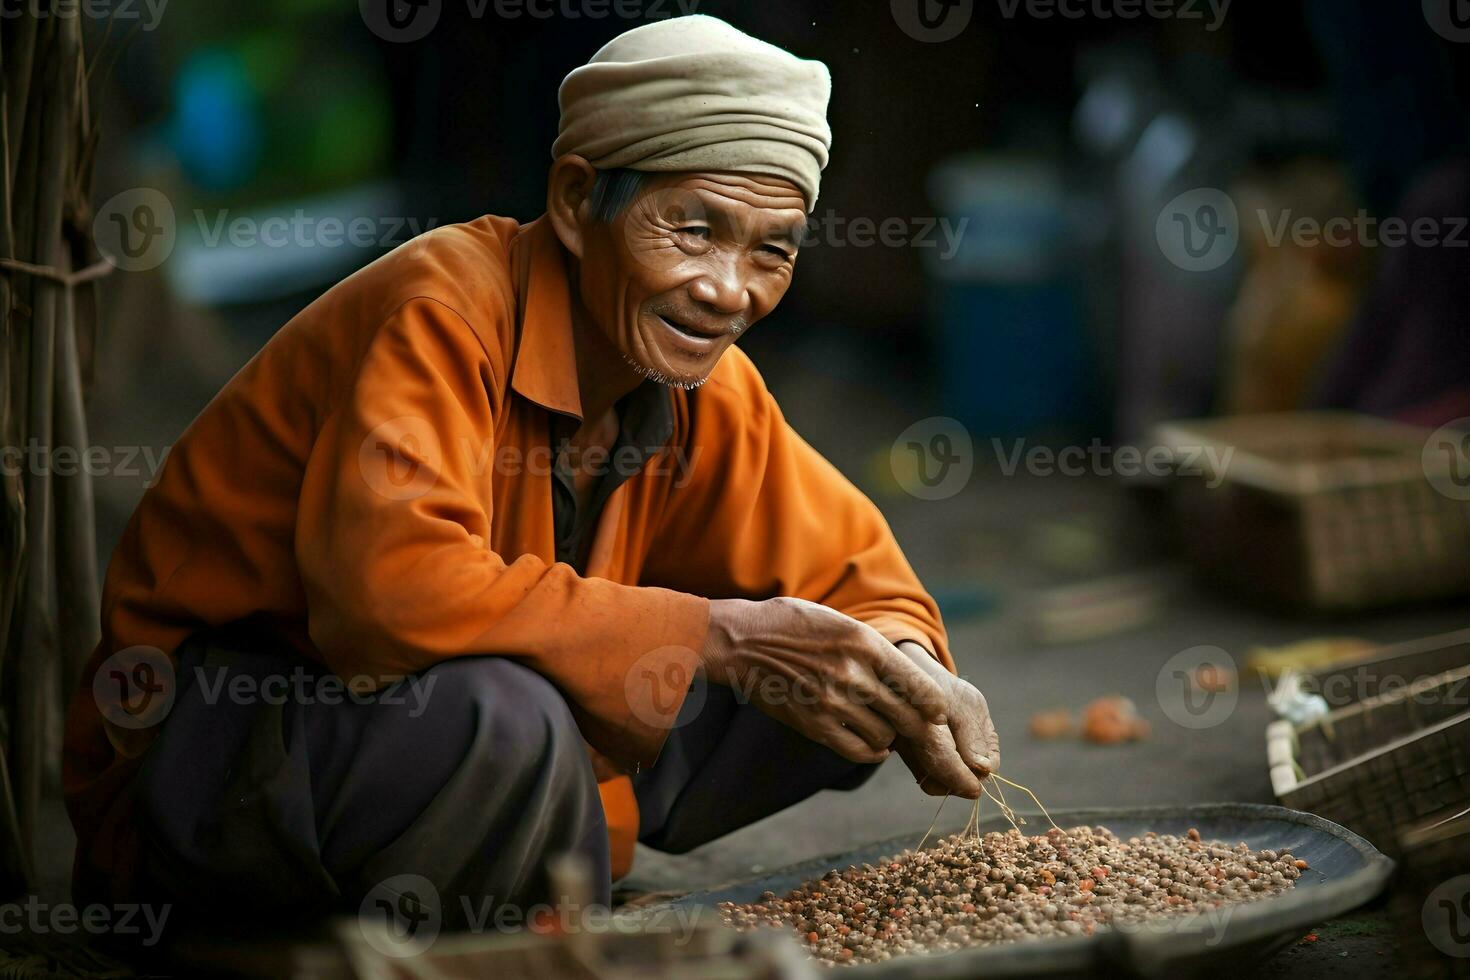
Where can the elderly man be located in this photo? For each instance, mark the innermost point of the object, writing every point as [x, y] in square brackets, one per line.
[513, 487]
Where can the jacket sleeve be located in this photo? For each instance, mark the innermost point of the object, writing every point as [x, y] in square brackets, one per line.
[391, 540]
[761, 513]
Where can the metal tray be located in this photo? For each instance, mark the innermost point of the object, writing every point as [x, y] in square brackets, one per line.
[1346, 871]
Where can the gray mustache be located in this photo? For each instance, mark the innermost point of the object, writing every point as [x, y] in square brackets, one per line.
[735, 326]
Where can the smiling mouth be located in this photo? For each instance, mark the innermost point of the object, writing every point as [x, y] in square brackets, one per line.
[694, 333]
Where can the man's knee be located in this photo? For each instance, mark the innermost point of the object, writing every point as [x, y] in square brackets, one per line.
[515, 709]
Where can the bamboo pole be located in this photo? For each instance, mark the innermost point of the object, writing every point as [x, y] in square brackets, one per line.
[36, 678]
[20, 39]
[48, 586]
[15, 864]
[78, 603]
[12, 513]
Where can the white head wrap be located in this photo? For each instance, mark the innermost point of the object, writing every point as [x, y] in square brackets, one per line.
[695, 94]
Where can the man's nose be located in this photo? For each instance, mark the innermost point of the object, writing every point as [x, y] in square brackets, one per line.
[721, 288]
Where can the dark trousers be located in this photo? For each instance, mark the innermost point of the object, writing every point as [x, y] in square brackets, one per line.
[272, 792]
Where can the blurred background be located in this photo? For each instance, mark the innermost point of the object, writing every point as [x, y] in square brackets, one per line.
[1048, 232]
[1017, 159]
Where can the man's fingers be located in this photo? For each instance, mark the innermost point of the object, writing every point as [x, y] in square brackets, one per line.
[847, 744]
[932, 786]
[975, 737]
[906, 719]
[900, 674]
[942, 761]
[867, 723]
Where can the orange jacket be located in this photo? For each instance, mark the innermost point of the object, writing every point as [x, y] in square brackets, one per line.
[376, 484]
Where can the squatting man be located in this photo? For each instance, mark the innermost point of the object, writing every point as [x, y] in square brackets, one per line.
[616, 657]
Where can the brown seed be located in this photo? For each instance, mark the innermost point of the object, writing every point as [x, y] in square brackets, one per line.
[1009, 887]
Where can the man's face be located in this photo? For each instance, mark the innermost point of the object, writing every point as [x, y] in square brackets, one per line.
[691, 263]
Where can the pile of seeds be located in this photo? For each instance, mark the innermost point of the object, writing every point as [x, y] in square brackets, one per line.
[1004, 887]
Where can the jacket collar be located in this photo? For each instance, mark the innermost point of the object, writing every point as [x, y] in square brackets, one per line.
[545, 368]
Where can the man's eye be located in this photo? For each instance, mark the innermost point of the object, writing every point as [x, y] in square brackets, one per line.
[694, 230]
[777, 250]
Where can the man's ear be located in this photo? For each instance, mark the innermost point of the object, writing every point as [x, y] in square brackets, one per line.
[569, 199]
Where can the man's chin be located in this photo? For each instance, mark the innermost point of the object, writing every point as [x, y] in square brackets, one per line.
[665, 375]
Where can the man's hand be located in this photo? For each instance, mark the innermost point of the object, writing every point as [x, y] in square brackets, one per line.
[830, 677]
[950, 758]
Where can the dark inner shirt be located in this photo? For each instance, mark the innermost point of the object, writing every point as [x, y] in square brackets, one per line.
[645, 422]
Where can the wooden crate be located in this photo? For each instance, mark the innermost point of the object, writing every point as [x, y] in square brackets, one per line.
[1319, 510]
[1434, 869]
[1383, 669]
[1380, 765]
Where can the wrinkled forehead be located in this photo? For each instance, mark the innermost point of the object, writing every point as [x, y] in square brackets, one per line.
[749, 204]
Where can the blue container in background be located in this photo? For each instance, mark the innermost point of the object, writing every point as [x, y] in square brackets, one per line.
[1016, 357]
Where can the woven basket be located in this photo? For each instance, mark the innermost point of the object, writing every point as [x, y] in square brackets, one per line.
[1435, 855]
[1323, 510]
[1380, 765]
